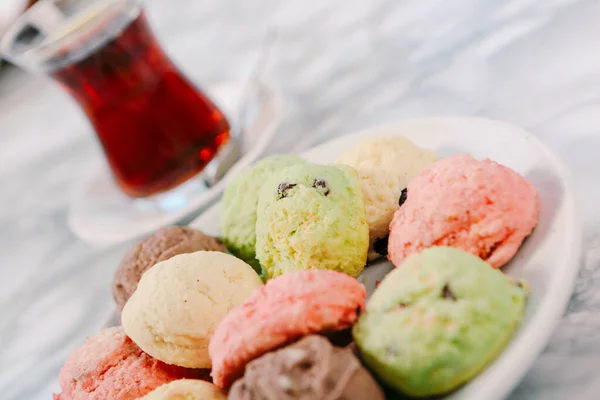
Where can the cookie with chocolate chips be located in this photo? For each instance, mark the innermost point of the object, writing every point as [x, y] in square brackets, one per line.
[312, 216]
[437, 320]
[385, 166]
[238, 208]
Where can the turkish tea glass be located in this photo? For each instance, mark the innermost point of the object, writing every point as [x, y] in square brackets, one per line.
[156, 128]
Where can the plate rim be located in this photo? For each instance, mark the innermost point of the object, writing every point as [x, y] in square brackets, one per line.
[544, 321]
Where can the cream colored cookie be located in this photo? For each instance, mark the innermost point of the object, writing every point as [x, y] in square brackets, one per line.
[179, 302]
[186, 389]
[385, 165]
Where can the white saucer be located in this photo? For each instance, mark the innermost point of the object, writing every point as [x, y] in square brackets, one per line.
[101, 214]
[548, 260]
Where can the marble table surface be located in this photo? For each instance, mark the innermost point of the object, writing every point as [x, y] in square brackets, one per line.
[341, 65]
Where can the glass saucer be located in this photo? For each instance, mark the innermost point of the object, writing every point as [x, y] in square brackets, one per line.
[101, 214]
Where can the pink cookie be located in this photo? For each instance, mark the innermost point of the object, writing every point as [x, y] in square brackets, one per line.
[285, 309]
[481, 207]
[110, 366]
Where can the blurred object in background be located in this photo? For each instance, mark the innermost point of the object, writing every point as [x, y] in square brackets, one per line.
[157, 130]
[9, 12]
[30, 3]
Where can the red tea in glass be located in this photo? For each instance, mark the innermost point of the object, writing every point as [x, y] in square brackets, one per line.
[157, 130]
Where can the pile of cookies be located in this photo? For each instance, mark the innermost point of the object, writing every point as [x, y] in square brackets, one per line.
[273, 308]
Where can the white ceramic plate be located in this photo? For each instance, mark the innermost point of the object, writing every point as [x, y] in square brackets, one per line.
[549, 258]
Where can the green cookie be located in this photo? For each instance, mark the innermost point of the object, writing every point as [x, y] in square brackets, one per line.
[437, 320]
[312, 217]
[238, 208]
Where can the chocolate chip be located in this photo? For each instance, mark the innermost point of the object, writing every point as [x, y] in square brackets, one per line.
[403, 196]
[491, 251]
[283, 188]
[321, 186]
[381, 246]
[447, 293]
[306, 364]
